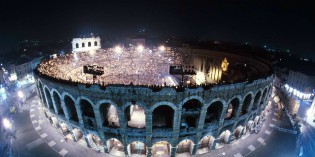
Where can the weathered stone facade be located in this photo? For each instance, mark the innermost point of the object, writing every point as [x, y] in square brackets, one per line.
[68, 102]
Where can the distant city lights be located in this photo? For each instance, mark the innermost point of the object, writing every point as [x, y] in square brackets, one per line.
[118, 49]
[162, 48]
[297, 93]
[140, 48]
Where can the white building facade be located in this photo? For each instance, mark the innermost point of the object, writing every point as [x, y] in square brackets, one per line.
[300, 84]
[86, 44]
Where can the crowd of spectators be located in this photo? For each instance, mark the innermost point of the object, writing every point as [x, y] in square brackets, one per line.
[149, 67]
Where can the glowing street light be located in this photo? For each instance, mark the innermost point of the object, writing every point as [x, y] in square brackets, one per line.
[140, 48]
[118, 49]
[20, 94]
[162, 48]
[6, 123]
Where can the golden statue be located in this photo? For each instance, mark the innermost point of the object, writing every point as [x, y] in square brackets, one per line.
[224, 64]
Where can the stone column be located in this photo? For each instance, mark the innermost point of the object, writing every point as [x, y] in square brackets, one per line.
[148, 130]
[79, 113]
[176, 131]
[65, 110]
[98, 118]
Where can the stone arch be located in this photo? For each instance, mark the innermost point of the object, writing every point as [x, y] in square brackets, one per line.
[76, 45]
[163, 116]
[48, 99]
[225, 136]
[135, 114]
[87, 112]
[137, 147]
[205, 144]
[257, 98]
[89, 44]
[185, 146]
[83, 45]
[115, 147]
[109, 112]
[200, 99]
[233, 107]
[95, 43]
[95, 142]
[70, 107]
[190, 113]
[246, 103]
[214, 111]
[161, 148]
[57, 101]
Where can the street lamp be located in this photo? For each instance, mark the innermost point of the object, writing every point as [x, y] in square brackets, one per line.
[118, 49]
[20, 94]
[140, 48]
[6, 123]
[162, 48]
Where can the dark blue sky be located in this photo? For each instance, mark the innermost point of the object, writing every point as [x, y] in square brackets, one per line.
[279, 24]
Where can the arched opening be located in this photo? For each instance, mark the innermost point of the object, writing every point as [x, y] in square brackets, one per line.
[137, 148]
[78, 135]
[214, 112]
[161, 148]
[49, 101]
[250, 126]
[185, 147]
[95, 43]
[135, 116]
[109, 115]
[232, 109]
[190, 114]
[225, 136]
[58, 104]
[65, 130]
[115, 147]
[89, 44]
[72, 112]
[87, 114]
[205, 144]
[83, 44]
[238, 132]
[95, 142]
[76, 45]
[256, 101]
[163, 116]
[246, 104]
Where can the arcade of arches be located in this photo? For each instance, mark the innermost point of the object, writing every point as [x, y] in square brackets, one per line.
[107, 115]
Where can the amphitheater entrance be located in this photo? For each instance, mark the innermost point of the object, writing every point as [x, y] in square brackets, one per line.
[190, 114]
[214, 112]
[137, 149]
[161, 149]
[72, 112]
[115, 147]
[58, 104]
[246, 104]
[225, 136]
[184, 148]
[109, 115]
[135, 116]
[95, 142]
[65, 130]
[79, 136]
[162, 117]
[238, 131]
[232, 109]
[87, 114]
[205, 144]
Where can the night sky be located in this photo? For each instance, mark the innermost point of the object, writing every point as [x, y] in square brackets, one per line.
[278, 24]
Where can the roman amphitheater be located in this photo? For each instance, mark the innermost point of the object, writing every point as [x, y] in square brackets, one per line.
[137, 107]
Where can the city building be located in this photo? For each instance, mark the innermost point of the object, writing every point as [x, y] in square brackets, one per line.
[122, 111]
